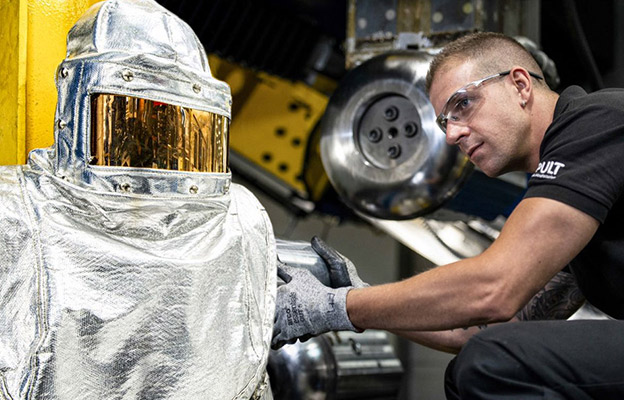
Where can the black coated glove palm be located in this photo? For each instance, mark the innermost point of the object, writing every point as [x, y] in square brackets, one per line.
[341, 270]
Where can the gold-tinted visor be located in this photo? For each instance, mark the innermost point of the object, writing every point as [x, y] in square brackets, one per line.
[132, 132]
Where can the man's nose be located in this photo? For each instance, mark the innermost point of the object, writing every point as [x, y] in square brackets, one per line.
[454, 133]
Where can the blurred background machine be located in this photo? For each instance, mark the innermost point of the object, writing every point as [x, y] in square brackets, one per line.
[330, 115]
[331, 121]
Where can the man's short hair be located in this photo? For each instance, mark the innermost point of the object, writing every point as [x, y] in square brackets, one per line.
[492, 53]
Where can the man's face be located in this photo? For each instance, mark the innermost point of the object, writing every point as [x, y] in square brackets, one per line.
[485, 120]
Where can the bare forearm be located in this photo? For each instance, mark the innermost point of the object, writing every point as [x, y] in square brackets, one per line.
[559, 299]
[538, 240]
[449, 341]
[446, 297]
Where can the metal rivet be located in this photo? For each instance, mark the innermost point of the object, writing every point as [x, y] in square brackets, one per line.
[125, 187]
[127, 75]
[196, 88]
[61, 124]
[64, 72]
[193, 189]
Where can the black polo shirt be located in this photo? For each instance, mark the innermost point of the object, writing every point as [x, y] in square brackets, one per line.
[582, 165]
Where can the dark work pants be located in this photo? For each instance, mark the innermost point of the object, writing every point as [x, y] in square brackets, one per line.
[575, 360]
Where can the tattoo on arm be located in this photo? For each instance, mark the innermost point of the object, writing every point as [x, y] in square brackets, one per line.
[559, 299]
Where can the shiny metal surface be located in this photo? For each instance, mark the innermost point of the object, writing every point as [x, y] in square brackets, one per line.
[131, 283]
[300, 254]
[338, 365]
[132, 132]
[380, 146]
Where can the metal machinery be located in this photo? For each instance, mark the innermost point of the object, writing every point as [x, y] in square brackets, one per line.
[345, 129]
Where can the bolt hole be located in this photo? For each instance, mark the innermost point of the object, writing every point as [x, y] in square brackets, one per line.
[281, 132]
[267, 157]
[296, 142]
[283, 167]
[393, 132]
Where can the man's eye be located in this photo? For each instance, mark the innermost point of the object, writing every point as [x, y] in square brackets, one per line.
[463, 103]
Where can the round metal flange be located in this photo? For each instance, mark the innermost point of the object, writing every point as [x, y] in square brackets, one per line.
[380, 145]
[386, 132]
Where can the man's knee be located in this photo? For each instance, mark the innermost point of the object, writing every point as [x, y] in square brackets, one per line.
[485, 367]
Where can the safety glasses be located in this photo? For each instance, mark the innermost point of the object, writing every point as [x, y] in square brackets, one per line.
[462, 104]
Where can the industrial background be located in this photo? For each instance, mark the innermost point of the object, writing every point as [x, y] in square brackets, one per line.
[286, 62]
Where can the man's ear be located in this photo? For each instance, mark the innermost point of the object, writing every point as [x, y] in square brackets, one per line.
[522, 80]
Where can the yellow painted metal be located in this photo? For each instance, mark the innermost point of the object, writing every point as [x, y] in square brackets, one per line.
[48, 24]
[272, 120]
[13, 31]
[34, 45]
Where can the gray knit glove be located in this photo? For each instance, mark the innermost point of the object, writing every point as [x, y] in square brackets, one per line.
[341, 269]
[305, 307]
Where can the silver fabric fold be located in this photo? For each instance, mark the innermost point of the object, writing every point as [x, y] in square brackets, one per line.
[121, 296]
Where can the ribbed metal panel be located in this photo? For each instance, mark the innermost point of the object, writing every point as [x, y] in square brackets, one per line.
[252, 33]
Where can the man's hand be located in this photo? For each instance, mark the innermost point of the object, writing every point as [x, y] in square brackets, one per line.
[305, 307]
[341, 269]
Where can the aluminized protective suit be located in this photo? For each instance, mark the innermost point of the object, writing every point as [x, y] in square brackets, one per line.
[131, 283]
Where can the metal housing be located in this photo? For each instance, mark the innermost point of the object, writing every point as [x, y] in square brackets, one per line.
[380, 146]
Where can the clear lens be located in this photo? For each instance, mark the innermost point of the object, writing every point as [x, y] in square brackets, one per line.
[462, 105]
[132, 132]
[459, 107]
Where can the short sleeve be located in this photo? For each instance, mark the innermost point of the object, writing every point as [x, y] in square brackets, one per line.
[582, 158]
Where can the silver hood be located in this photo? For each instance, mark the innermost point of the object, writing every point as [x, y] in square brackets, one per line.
[132, 48]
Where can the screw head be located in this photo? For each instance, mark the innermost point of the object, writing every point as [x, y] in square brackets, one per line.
[127, 75]
[197, 88]
[193, 189]
[61, 124]
[125, 187]
[64, 72]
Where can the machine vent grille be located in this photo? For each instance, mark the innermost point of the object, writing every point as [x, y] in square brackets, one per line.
[251, 33]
